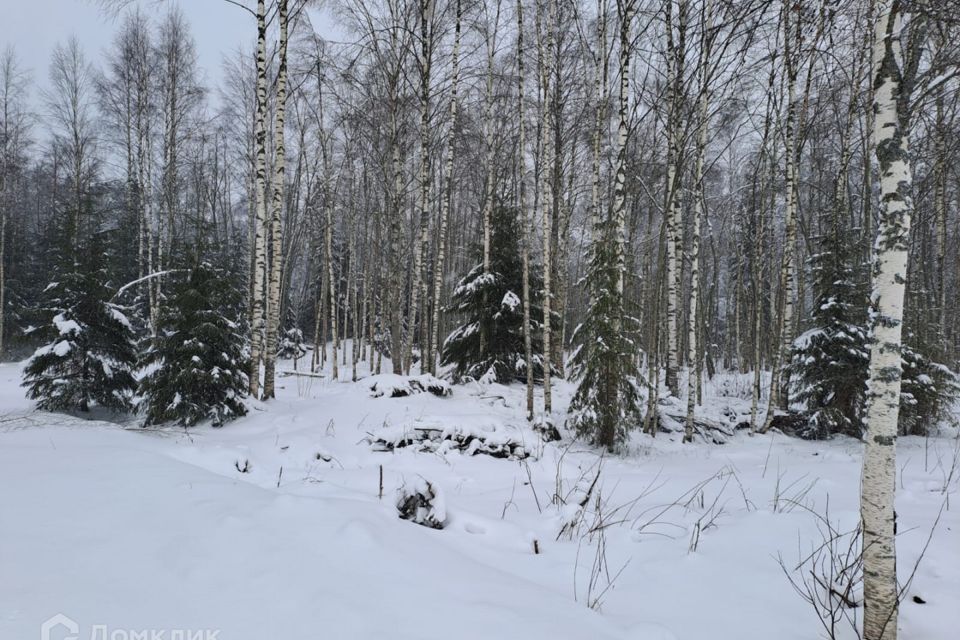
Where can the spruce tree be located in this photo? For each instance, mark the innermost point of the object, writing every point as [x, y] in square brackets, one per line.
[290, 344]
[607, 401]
[489, 344]
[89, 355]
[927, 389]
[197, 365]
[828, 368]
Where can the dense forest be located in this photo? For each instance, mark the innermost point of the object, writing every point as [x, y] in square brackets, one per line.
[720, 152]
[631, 195]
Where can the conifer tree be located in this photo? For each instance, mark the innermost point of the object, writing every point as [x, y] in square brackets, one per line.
[490, 344]
[197, 366]
[290, 345]
[927, 389]
[607, 401]
[828, 369]
[89, 353]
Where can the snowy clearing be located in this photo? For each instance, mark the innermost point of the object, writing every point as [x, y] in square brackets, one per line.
[158, 529]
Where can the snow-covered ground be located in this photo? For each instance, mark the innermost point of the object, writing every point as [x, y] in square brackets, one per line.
[127, 530]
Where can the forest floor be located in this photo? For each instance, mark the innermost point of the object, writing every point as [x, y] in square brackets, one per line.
[128, 530]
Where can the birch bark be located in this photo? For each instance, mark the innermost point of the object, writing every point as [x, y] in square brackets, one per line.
[447, 195]
[787, 277]
[675, 70]
[878, 484]
[546, 201]
[524, 213]
[693, 356]
[260, 243]
[423, 178]
[276, 209]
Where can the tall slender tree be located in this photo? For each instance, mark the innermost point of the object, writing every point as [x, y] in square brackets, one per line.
[878, 485]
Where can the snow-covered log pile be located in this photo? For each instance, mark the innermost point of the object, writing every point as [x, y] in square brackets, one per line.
[714, 429]
[394, 386]
[546, 429]
[794, 423]
[492, 439]
[421, 501]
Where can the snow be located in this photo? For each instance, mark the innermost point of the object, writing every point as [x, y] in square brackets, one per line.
[62, 347]
[64, 326]
[119, 316]
[158, 529]
[426, 501]
[392, 385]
[511, 301]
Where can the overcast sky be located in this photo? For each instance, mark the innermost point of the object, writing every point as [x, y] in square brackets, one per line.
[34, 27]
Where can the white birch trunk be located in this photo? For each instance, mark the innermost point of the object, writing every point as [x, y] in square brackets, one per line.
[878, 484]
[756, 271]
[600, 116]
[488, 140]
[620, 152]
[940, 215]
[693, 355]
[675, 70]
[524, 213]
[331, 279]
[547, 204]
[445, 208]
[423, 178]
[258, 309]
[276, 225]
[395, 279]
[787, 276]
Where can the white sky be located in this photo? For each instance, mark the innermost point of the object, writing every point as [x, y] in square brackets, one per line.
[34, 27]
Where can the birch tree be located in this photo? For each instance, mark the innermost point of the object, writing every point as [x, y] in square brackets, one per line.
[276, 212]
[699, 203]
[259, 248]
[544, 54]
[525, 221]
[676, 51]
[425, 61]
[446, 195]
[878, 485]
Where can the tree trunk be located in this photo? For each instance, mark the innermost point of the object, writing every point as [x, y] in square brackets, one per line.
[674, 275]
[756, 268]
[546, 194]
[445, 208]
[489, 144]
[260, 241]
[331, 276]
[787, 280]
[276, 227]
[524, 213]
[878, 484]
[940, 215]
[395, 278]
[423, 179]
[693, 356]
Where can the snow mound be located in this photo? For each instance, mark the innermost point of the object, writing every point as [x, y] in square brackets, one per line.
[493, 439]
[422, 502]
[394, 386]
[718, 427]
